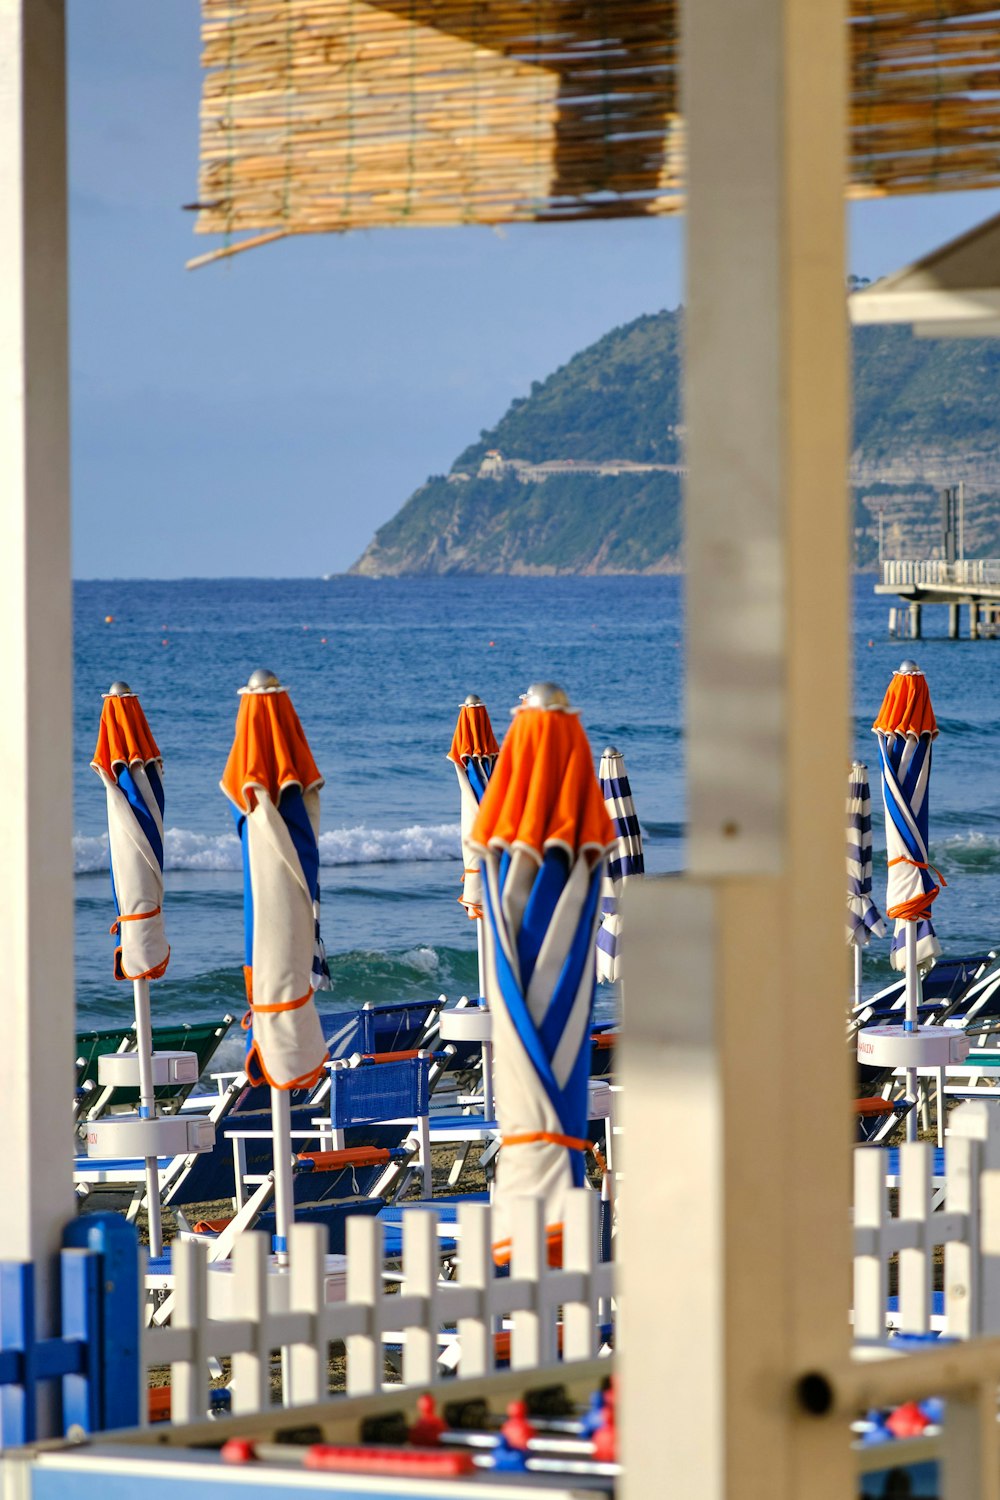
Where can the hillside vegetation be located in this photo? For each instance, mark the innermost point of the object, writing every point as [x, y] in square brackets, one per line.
[927, 413]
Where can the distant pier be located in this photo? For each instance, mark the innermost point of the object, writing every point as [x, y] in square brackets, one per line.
[973, 583]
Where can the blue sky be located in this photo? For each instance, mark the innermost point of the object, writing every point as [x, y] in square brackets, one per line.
[265, 416]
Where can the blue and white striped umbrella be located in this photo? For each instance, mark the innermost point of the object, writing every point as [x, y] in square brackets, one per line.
[273, 785]
[863, 919]
[543, 836]
[626, 860]
[473, 753]
[906, 729]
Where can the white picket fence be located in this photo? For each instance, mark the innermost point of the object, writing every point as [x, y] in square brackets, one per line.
[552, 1311]
[959, 1213]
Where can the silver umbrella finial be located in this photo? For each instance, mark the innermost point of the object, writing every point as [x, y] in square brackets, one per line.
[471, 700]
[610, 750]
[261, 680]
[909, 668]
[120, 690]
[545, 695]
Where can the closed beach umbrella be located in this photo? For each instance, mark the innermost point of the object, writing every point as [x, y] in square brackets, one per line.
[626, 860]
[473, 753]
[863, 919]
[543, 835]
[273, 785]
[129, 764]
[906, 729]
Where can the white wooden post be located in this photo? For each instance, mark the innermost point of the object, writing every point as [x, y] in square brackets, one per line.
[735, 1248]
[531, 1340]
[871, 1208]
[420, 1275]
[364, 1288]
[307, 1362]
[252, 1367]
[476, 1273]
[189, 1376]
[916, 1263]
[36, 875]
[580, 1254]
[973, 1161]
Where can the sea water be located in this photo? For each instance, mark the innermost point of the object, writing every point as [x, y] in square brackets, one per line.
[377, 670]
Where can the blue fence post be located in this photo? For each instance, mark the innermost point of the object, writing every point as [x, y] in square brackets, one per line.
[115, 1374]
[79, 1293]
[17, 1341]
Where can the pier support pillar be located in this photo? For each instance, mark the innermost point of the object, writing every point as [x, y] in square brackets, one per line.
[36, 877]
[738, 1254]
[973, 619]
[915, 622]
[953, 622]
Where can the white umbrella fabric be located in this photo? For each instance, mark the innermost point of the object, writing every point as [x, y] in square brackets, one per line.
[273, 785]
[129, 764]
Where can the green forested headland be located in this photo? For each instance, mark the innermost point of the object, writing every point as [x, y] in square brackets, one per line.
[926, 413]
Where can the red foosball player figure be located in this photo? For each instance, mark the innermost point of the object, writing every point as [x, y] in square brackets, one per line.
[427, 1429]
[605, 1439]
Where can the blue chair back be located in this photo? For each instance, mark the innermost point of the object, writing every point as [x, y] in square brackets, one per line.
[379, 1091]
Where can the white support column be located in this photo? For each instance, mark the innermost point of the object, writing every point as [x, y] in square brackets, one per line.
[735, 975]
[36, 881]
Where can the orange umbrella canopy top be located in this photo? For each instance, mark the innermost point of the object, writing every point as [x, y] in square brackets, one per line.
[543, 792]
[270, 750]
[124, 738]
[473, 734]
[906, 707]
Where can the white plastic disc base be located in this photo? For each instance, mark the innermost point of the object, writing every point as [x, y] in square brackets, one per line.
[895, 1047]
[168, 1135]
[122, 1068]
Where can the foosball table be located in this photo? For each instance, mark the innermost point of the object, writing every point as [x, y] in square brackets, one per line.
[546, 1432]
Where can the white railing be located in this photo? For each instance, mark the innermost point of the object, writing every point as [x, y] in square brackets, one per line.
[910, 1215]
[970, 573]
[929, 1213]
[423, 1317]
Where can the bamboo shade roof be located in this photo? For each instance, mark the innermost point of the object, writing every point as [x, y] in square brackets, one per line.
[329, 115]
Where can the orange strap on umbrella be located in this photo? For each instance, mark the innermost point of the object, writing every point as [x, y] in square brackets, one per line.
[549, 1137]
[918, 906]
[137, 916]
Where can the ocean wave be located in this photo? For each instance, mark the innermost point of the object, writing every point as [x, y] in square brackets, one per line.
[421, 972]
[972, 853]
[184, 849]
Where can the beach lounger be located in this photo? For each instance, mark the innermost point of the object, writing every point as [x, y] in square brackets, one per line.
[943, 987]
[95, 1099]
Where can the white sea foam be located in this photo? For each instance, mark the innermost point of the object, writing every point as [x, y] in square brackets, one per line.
[425, 960]
[186, 850]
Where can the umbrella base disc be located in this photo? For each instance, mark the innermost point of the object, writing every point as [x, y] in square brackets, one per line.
[474, 1024]
[169, 1135]
[927, 1047]
[122, 1068]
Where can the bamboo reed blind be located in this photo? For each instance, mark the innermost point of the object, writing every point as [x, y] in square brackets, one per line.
[329, 115]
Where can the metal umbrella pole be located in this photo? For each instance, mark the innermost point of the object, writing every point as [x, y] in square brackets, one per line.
[147, 1109]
